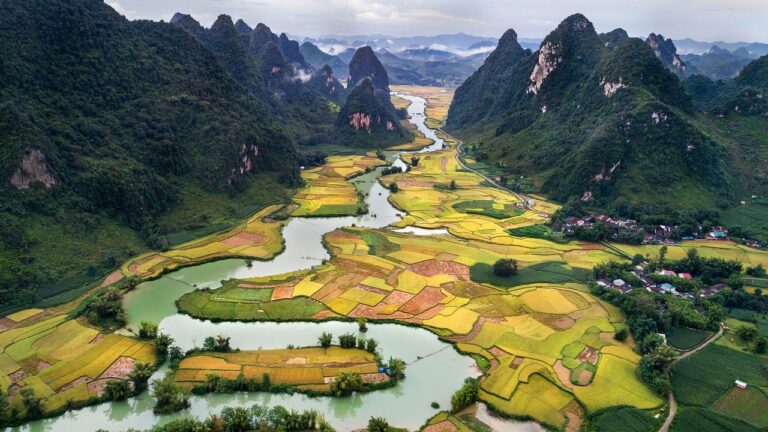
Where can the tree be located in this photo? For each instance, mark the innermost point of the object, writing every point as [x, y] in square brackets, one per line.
[692, 253]
[147, 330]
[466, 395]
[117, 390]
[162, 342]
[325, 339]
[397, 368]
[756, 271]
[652, 366]
[362, 324]
[169, 397]
[621, 334]
[637, 259]
[219, 343]
[32, 403]
[371, 345]
[236, 419]
[505, 267]
[346, 383]
[452, 185]
[747, 333]
[140, 375]
[393, 187]
[650, 343]
[348, 340]
[761, 345]
[175, 354]
[377, 424]
[662, 254]
[3, 408]
[415, 161]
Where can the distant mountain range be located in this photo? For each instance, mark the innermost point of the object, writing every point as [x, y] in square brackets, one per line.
[442, 60]
[448, 59]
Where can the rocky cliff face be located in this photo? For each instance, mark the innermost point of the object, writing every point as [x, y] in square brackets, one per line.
[325, 83]
[666, 51]
[34, 168]
[366, 120]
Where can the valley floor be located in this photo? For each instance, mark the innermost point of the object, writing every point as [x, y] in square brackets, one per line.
[544, 344]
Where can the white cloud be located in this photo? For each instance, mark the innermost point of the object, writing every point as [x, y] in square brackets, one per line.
[120, 9]
[710, 20]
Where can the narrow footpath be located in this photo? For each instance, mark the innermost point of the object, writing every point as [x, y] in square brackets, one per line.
[672, 401]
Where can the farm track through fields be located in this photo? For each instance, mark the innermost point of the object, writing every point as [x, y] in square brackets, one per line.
[672, 401]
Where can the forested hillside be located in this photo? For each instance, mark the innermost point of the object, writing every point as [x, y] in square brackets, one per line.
[597, 120]
[111, 131]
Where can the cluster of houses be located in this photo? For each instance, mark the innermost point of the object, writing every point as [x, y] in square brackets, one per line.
[588, 221]
[667, 288]
[661, 234]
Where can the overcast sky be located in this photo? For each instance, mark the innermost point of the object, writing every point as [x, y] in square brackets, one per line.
[705, 20]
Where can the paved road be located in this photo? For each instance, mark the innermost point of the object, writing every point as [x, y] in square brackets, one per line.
[672, 401]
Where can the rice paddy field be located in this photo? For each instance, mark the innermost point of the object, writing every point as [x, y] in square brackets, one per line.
[685, 339]
[438, 101]
[327, 191]
[705, 381]
[438, 193]
[65, 362]
[706, 248]
[550, 346]
[259, 238]
[312, 368]
[418, 142]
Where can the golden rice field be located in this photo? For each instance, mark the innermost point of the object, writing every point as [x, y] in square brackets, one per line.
[312, 368]
[438, 101]
[539, 336]
[399, 102]
[471, 210]
[418, 142]
[706, 248]
[63, 360]
[259, 237]
[327, 191]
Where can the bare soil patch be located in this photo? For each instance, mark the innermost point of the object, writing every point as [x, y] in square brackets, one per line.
[81, 380]
[434, 267]
[112, 278]
[588, 355]
[443, 426]
[121, 368]
[282, 292]
[244, 238]
[584, 377]
[375, 378]
[426, 299]
[563, 374]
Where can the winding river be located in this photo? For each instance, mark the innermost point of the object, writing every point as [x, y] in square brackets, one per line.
[435, 369]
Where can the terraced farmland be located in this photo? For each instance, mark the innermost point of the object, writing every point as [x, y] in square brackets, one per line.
[65, 362]
[327, 191]
[312, 368]
[259, 237]
[537, 336]
[438, 193]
